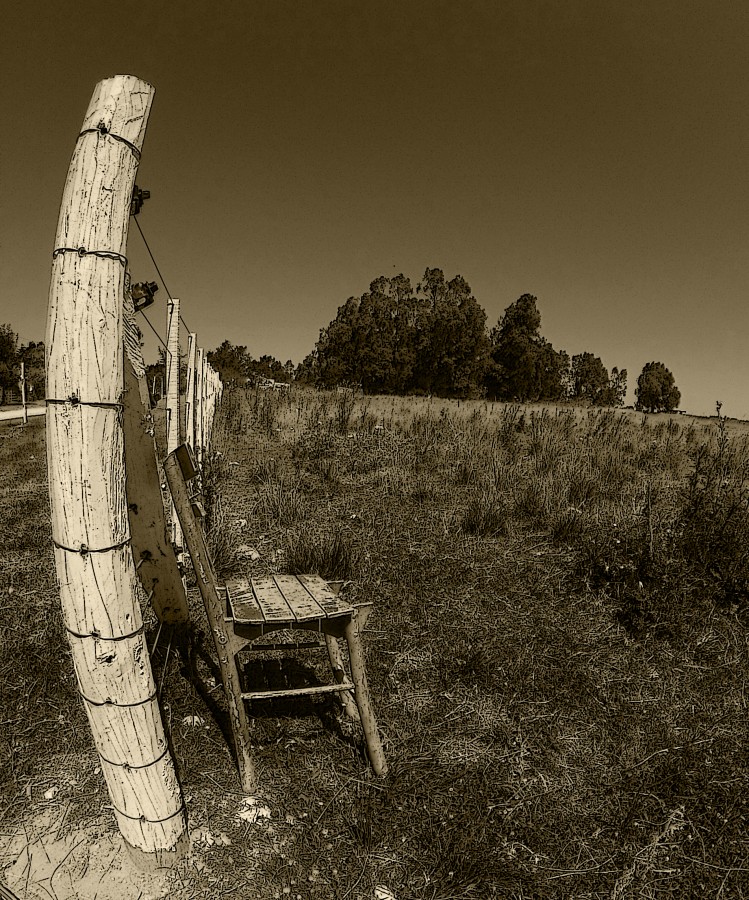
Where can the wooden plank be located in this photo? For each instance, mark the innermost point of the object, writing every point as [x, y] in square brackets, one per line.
[244, 608]
[324, 596]
[153, 554]
[300, 600]
[298, 692]
[271, 601]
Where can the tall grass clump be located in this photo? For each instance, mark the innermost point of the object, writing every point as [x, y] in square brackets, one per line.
[280, 503]
[487, 515]
[713, 521]
[332, 557]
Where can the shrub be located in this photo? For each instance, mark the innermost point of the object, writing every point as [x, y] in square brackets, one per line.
[713, 522]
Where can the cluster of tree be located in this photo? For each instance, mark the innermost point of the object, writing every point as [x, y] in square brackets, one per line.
[11, 357]
[396, 340]
[434, 340]
[231, 361]
[234, 363]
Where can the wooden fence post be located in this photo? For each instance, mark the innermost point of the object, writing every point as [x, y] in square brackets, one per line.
[200, 406]
[86, 465]
[192, 348]
[172, 398]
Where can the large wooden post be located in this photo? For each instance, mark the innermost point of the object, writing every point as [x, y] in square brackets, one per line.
[86, 464]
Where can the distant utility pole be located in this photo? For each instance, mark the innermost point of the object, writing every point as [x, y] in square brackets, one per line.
[22, 385]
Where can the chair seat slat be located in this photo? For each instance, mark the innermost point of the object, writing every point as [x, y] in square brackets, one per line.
[301, 602]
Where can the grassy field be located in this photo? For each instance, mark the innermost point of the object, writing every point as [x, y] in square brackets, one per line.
[558, 658]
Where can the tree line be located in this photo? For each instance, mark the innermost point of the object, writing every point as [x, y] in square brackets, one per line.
[11, 357]
[434, 340]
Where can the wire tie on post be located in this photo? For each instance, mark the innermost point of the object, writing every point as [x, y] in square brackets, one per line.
[142, 818]
[130, 766]
[97, 635]
[82, 251]
[102, 130]
[110, 702]
[84, 549]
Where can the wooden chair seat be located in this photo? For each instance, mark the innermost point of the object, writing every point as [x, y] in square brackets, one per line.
[288, 603]
[284, 601]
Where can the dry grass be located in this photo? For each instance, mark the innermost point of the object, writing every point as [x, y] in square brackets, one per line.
[557, 654]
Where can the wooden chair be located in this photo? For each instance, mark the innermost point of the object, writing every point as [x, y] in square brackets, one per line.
[245, 610]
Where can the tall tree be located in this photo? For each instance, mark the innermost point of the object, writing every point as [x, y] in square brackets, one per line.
[656, 389]
[524, 365]
[590, 379]
[335, 357]
[617, 390]
[453, 360]
[8, 360]
[32, 356]
[231, 361]
[392, 340]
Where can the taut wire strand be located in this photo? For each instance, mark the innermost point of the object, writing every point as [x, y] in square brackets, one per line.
[160, 339]
[158, 270]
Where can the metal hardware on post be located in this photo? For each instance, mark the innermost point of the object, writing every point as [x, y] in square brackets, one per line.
[143, 294]
[139, 197]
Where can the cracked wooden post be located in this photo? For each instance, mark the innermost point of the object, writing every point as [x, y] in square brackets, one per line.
[86, 464]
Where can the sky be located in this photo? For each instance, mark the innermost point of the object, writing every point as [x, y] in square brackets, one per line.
[590, 152]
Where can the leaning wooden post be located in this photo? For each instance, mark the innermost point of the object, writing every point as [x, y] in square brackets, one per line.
[152, 549]
[86, 464]
[172, 397]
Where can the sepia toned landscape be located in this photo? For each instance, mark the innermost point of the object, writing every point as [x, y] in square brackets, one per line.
[430, 581]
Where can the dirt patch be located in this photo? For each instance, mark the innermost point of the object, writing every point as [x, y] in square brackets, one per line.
[45, 860]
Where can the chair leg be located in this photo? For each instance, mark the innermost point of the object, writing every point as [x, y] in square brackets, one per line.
[361, 693]
[237, 715]
[214, 608]
[339, 673]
